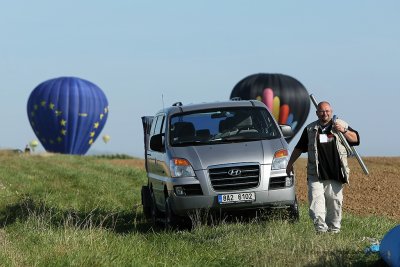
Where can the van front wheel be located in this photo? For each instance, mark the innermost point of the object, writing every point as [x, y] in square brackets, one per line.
[294, 214]
[155, 213]
[147, 201]
[171, 220]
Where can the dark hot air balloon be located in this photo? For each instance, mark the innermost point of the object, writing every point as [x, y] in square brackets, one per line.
[67, 114]
[286, 98]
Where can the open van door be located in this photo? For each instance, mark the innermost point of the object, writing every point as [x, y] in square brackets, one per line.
[145, 193]
[146, 121]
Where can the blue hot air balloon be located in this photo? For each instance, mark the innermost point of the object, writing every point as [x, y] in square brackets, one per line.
[390, 247]
[67, 114]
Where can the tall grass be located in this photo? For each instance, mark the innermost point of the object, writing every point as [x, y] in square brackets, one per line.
[85, 211]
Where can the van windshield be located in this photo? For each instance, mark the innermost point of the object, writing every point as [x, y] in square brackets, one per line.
[222, 126]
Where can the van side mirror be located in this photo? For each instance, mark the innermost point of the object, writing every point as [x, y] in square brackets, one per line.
[156, 142]
[286, 130]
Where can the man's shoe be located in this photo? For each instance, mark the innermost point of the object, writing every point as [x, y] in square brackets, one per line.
[334, 231]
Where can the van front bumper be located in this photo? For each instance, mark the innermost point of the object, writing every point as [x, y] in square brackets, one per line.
[278, 198]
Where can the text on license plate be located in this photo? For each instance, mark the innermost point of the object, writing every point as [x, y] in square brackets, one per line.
[236, 197]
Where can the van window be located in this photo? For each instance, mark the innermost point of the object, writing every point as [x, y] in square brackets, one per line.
[222, 125]
[159, 124]
[157, 127]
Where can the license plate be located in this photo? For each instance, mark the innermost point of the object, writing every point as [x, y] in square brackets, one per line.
[236, 198]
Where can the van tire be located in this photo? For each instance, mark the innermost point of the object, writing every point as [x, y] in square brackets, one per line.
[155, 213]
[147, 201]
[171, 220]
[294, 213]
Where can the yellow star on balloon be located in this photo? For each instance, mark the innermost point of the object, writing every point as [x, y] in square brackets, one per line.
[92, 134]
[90, 141]
[96, 125]
[63, 122]
[63, 132]
[59, 139]
[51, 106]
[43, 103]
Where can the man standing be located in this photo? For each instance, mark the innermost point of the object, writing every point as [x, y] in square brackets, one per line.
[327, 167]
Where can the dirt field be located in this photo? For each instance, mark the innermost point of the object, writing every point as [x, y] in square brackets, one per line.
[375, 194]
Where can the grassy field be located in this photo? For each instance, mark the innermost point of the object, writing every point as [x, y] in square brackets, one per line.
[60, 210]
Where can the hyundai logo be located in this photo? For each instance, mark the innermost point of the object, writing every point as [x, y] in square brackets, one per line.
[234, 172]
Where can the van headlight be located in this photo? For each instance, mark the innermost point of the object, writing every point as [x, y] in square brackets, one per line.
[281, 159]
[180, 168]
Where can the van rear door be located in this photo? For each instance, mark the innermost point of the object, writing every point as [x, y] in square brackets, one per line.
[146, 121]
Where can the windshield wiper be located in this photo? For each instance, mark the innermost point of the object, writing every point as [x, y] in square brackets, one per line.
[236, 138]
[243, 138]
[191, 143]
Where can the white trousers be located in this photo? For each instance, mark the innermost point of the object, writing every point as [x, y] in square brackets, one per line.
[325, 199]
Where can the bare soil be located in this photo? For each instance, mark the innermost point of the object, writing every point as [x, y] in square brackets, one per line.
[375, 194]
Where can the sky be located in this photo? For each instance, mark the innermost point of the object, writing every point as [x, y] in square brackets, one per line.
[148, 54]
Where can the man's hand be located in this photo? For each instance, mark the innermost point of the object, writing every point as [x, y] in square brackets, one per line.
[289, 169]
[295, 155]
[339, 127]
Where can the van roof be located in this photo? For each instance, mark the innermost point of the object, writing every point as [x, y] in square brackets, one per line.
[178, 108]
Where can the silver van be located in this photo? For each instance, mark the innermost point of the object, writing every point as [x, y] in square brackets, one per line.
[223, 156]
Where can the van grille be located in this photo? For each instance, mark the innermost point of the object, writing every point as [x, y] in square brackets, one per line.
[240, 177]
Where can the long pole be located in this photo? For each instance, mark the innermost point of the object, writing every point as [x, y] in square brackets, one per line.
[350, 149]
